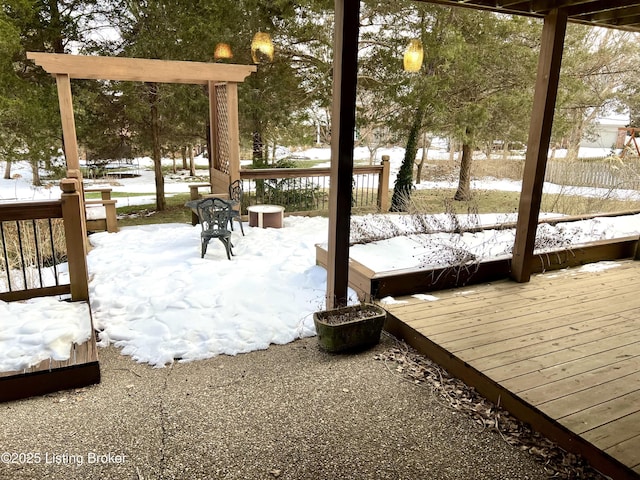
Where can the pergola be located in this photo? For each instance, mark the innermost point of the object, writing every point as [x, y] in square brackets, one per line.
[621, 14]
[221, 81]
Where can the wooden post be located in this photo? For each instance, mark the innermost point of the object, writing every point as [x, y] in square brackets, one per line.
[111, 214]
[76, 174]
[383, 186]
[214, 162]
[65, 100]
[75, 236]
[345, 71]
[544, 101]
[234, 132]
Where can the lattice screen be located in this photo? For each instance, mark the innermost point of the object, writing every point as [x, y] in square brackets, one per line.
[222, 142]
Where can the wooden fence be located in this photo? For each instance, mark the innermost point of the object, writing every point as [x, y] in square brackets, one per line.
[600, 174]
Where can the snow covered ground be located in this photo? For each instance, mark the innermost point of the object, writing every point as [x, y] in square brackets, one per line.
[154, 297]
[39, 329]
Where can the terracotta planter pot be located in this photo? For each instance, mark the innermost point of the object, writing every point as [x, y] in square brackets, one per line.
[354, 327]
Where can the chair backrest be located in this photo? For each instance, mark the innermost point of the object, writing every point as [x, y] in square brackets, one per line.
[214, 214]
[235, 191]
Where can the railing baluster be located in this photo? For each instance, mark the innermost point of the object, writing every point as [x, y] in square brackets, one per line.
[373, 192]
[38, 253]
[6, 256]
[21, 248]
[53, 253]
[324, 189]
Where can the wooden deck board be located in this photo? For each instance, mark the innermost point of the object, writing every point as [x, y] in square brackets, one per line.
[506, 307]
[602, 413]
[553, 341]
[584, 381]
[627, 452]
[574, 403]
[613, 433]
[569, 353]
[616, 356]
[566, 346]
[452, 322]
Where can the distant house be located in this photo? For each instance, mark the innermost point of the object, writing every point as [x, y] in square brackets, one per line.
[604, 134]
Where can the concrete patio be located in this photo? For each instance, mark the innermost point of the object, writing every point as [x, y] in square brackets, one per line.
[290, 412]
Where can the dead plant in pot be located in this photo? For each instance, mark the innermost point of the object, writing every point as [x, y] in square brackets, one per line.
[349, 328]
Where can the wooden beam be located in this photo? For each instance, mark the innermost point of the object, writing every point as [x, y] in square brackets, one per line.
[369, 284]
[30, 210]
[259, 173]
[65, 100]
[139, 69]
[544, 102]
[27, 385]
[233, 134]
[20, 295]
[345, 72]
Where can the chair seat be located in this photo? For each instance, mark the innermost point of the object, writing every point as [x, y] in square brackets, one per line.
[222, 233]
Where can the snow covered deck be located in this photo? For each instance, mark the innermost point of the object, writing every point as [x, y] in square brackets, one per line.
[561, 353]
[69, 353]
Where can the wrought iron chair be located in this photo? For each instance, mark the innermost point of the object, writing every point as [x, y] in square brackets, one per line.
[215, 214]
[235, 196]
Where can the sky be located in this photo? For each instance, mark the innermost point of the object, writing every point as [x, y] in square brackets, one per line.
[152, 296]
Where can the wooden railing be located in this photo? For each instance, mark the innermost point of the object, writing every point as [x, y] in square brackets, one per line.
[36, 238]
[307, 189]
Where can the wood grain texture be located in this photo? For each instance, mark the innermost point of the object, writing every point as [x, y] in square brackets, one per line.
[565, 348]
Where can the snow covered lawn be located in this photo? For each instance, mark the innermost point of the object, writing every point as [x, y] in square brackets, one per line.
[153, 296]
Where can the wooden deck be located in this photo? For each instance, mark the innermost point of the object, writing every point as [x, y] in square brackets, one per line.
[81, 369]
[561, 353]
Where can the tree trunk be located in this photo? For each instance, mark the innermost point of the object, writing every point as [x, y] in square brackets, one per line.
[464, 182]
[161, 203]
[403, 185]
[489, 150]
[258, 156]
[183, 152]
[425, 149]
[575, 138]
[580, 122]
[258, 146]
[7, 170]
[192, 163]
[36, 173]
[505, 151]
[173, 159]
